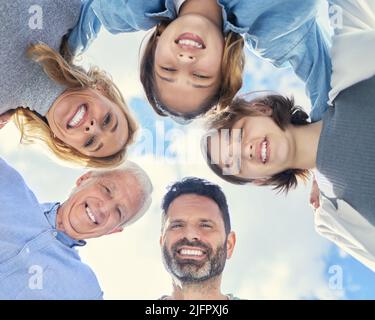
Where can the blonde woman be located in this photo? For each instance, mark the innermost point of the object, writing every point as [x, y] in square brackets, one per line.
[80, 115]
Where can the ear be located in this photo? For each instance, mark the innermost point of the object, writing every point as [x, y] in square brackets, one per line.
[117, 230]
[260, 181]
[99, 88]
[231, 242]
[161, 241]
[263, 110]
[84, 177]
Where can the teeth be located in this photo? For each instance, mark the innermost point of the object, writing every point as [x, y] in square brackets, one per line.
[90, 214]
[188, 42]
[191, 252]
[264, 151]
[78, 116]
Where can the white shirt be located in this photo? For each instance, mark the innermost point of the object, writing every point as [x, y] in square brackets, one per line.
[352, 61]
[353, 44]
[347, 229]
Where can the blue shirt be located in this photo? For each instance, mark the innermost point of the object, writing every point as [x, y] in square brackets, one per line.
[285, 32]
[36, 260]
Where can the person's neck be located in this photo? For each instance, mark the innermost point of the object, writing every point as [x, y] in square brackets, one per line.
[59, 223]
[207, 8]
[306, 140]
[207, 290]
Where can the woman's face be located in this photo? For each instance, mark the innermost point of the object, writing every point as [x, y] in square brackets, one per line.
[256, 148]
[188, 59]
[89, 122]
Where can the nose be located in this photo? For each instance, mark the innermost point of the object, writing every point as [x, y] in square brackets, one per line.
[90, 126]
[192, 233]
[248, 151]
[186, 57]
[107, 206]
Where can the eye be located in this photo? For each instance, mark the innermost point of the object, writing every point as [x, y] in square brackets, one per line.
[107, 119]
[239, 168]
[206, 225]
[228, 162]
[240, 136]
[106, 189]
[168, 69]
[176, 226]
[89, 142]
[200, 76]
[119, 212]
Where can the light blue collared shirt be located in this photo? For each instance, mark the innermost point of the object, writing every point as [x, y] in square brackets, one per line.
[36, 260]
[285, 32]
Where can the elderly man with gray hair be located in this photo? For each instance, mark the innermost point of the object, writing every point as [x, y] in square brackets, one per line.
[38, 259]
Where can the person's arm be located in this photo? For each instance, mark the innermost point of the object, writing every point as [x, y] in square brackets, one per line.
[353, 43]
[85, 31]
[116, 16]
[347, 229]
[287, 34]
[315, 195]
[311, 62]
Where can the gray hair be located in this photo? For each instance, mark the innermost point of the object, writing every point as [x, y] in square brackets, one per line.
[145, 185]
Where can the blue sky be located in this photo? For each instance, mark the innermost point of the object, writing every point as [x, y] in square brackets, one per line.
[278, 253]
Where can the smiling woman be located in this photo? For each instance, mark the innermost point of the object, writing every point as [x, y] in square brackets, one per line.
[79, 114]
[88, 124]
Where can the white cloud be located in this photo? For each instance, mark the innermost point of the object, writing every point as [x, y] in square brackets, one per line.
[119, 55]
[278, 254]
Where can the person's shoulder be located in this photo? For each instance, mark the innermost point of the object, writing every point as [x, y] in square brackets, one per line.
[7, 172]
[232, 297]
[73, 274]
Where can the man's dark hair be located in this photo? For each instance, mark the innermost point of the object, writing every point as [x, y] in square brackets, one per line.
[201, 187]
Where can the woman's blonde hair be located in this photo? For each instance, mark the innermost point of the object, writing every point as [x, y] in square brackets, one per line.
[232, 67]
[60, 68]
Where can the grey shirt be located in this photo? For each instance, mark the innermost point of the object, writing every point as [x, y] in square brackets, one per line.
[23, 83]
[346, 151]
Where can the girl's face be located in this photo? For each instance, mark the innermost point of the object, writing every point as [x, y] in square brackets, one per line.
[89, 122]
[258, 149]
[188, 63]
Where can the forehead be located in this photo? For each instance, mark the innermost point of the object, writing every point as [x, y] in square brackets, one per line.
[189, 207]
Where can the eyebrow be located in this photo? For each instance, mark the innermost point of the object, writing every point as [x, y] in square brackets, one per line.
[98, 147]
[199, 86]
[165, 79]
[177, 220]
[207, 220]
